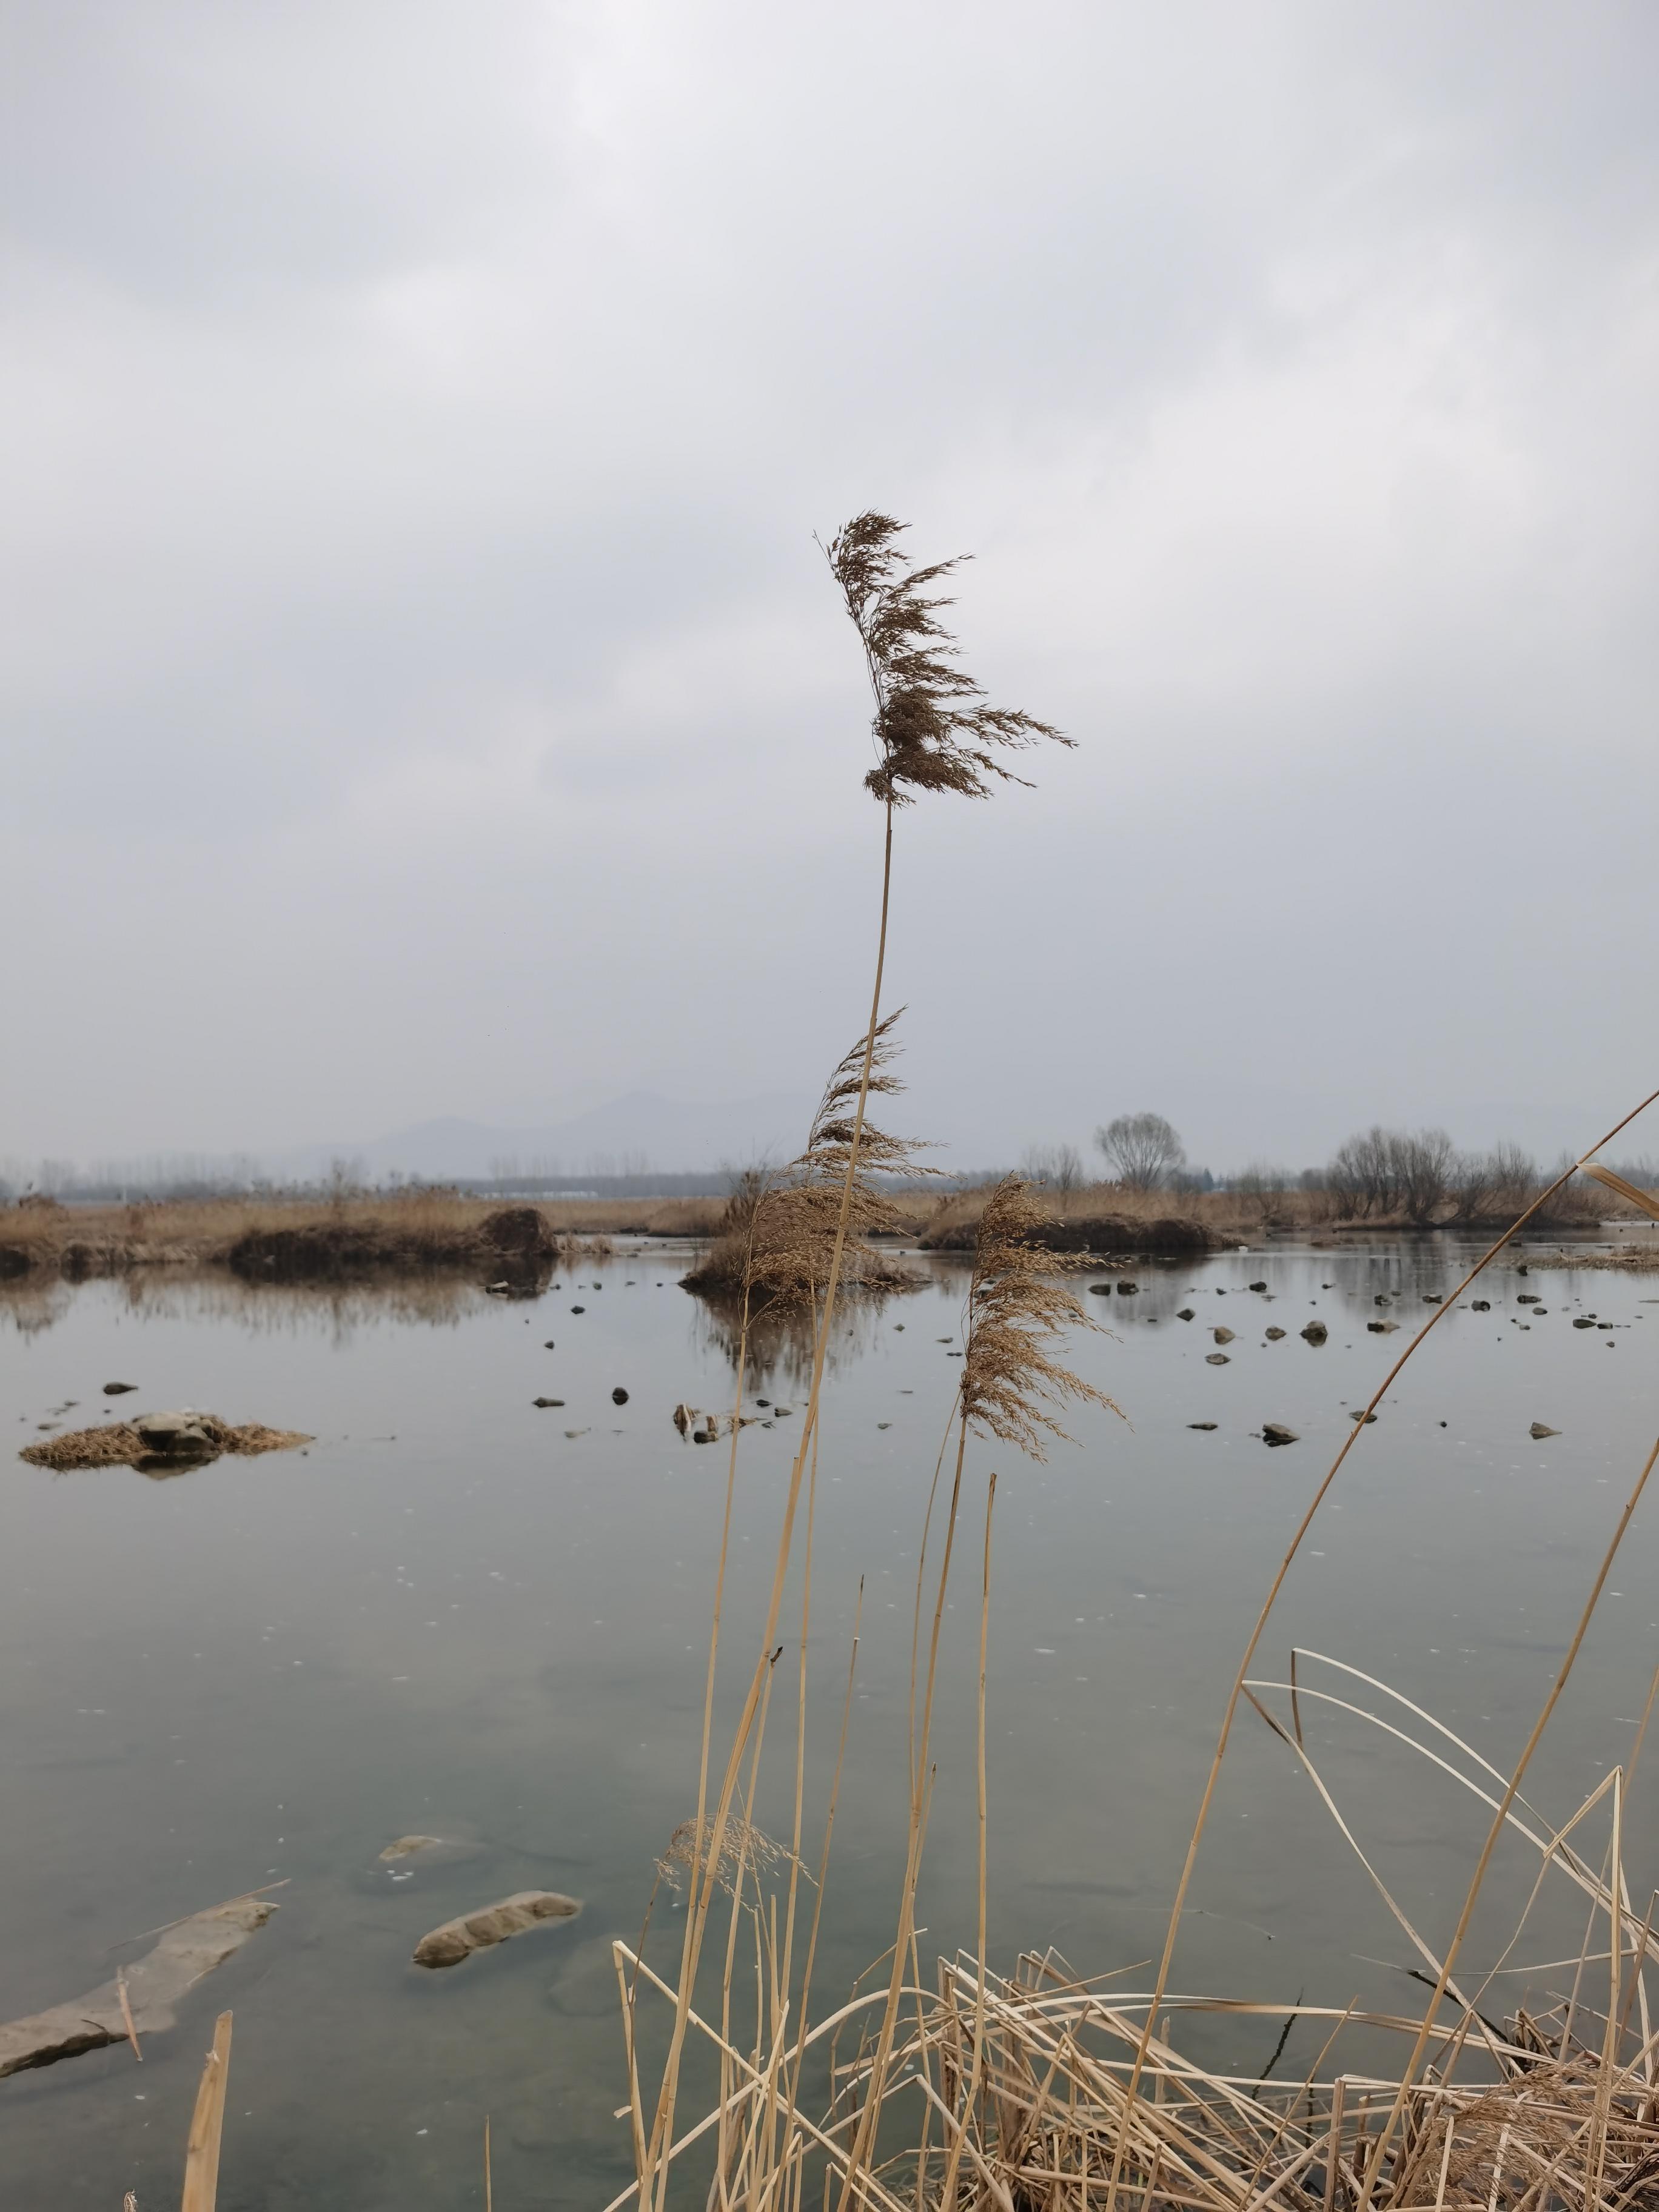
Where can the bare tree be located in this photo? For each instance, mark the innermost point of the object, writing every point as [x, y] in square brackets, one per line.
[1059, 1166]
[1423, 1162]
[1141, 1149]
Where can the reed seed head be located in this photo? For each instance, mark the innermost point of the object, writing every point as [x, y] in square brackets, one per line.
[933, 727]
[1017, 1307]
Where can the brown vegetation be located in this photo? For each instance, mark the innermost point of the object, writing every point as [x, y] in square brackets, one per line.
[344, 1239]
[119, 1445]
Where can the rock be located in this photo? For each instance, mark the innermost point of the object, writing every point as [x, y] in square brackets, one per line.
[154, 1984]
[1100, 1290]
[1526, 1297]
[547, 1402]
[1215, 1359]
[550, 1345]
[1314, 1333]
[685, 1418]
[1200, 1424]
[1186, 1314]
[499, 1290]
[1362, 1417]
[1382, 1299]
[1521, 1271]
[1540, 1429]
[1480, 1305]
[172, 1436]
[1582, 1321]
[493, 1923]
[1434, 1298]
[579, 1308]
[1222, 1335]
[619, 1396]
[1127, 1290]
[1257, 1287]
[573, 1433]
[1273, 1334]
[1275, 1432]
[1382, 1327]
[406, 1846]
[119, 1389]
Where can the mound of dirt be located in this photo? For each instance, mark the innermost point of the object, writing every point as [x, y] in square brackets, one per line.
[120, 1444]
[1106, 1234]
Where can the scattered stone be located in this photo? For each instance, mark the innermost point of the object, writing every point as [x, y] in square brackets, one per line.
[1273, 1335]
[1362, 1417]
[406, 1846]
[1314, 1333]
[579, 1308]
[499, 1290]
[479, 1931]
[550, 1345]
[619, 1396]
[573, 1433]
[1200, 1424]
[1526, 1297]
[1222, 1335]
[1215, 1359]
[1480, 1305]
[1258, 1286]
[1382, 1299]
[154, 1984]
[1126, 1290]
[547, 1402]
[1434, 1298]
[1382, 1327]
[1186, 1314]
[1275, 1432]
[1540, 1429]
[1100, 1290]
[685, 1418]
[119, 1389]
[1582, 1321]
[159, 1443]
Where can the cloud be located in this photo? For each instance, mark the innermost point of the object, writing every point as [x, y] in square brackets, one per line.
[421, 680]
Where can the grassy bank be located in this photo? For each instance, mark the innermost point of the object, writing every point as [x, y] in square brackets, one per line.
[419, 1232]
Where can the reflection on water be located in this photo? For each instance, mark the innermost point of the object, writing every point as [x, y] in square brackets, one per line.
[777, 1344]
[461, 1614]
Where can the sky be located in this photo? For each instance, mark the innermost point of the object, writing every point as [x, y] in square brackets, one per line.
[423, 694]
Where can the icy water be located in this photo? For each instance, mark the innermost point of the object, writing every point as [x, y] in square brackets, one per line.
[452, 1615]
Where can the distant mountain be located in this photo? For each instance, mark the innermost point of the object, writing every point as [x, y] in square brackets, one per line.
[632, 1134]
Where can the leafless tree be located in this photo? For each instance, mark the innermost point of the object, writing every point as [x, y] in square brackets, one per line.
[1141, 1149]
[1058, 1166]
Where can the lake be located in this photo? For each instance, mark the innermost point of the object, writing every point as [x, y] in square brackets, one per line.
[458, 1614]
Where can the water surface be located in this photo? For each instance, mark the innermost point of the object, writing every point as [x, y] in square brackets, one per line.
[450, 1616]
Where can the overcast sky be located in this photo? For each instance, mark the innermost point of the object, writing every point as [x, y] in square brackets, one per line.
[423, 696]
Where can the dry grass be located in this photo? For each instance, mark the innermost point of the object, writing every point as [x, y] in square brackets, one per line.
[119, 1445]
[419, 1229]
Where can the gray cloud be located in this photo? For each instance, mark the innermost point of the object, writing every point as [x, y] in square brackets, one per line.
[422, 689]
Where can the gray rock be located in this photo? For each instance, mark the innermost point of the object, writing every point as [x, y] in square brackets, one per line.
[1582, 1321]
[1222, 1335]
[119, 1389]
[1128, 1290]
[1186, 1314]
[493, 1923]
[547, 1402]
[1275, 1432]
[1314, 1333]
[172, 1436]
[619, 1396]
[1258, 1286]
[1200, 1424]
[1382, 1327]
[1273, 1334]
[1540, 1429]
[1215, 1359]
[154, 1984]
[1362, 1417]
[1480, 1305]
[1526, 1297]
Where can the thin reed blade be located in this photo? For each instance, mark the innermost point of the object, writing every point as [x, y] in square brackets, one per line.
[1644, 1200]
[207, 2126]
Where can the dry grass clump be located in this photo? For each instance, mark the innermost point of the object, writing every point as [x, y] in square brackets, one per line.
[780, 1238]
[119, 1445]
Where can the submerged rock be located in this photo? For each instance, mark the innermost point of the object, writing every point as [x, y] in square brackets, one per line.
[1275, 1432]
[1215, 1359]
[491, 1924]
[154, 1984]
[1382, 1327]
[160, 1443]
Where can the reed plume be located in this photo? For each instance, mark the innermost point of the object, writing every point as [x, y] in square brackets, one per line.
[1017, 1308]
[933, 726]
